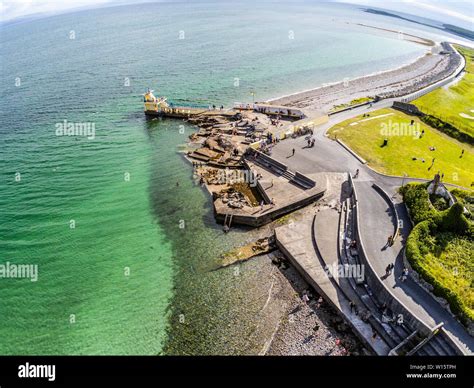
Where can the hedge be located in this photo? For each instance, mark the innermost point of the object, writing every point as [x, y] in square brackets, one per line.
[447, 128]
[415, 249]
[417, 199]
[428, 221]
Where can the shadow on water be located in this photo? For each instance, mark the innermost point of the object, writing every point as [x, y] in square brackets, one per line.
[184, 213]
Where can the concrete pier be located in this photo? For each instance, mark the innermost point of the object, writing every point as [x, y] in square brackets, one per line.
[281, 195]
[189, 111]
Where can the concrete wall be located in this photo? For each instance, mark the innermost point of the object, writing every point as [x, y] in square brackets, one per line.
[305, 181]
[262, 219]
[407, 108]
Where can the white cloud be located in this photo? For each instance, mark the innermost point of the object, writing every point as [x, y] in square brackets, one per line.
[458, 9]
[440, 9]
[12, 9]
[446, 9]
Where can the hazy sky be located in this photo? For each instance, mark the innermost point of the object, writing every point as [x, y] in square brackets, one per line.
[461, 10]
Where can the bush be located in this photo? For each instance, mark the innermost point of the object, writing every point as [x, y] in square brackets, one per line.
[447, 128]
[466, 198]
[439, 202]
[419, 244]
[418, 202]
[453, 220]
[426, 239]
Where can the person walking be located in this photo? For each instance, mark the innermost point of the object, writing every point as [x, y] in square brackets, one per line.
[356, 174]
[404, 274]
[352, 304]
[374, 335]
[293, 152]
[389, 241]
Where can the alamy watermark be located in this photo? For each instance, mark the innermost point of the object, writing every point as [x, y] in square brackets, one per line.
[232, 176]
[28, 370]
[19, 271]
[68, 128]
[391, 128]
[338, 271]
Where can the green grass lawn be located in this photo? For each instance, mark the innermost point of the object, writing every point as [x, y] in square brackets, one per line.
[451, 261]
[448, 103]
[355, 101]
[366, 134]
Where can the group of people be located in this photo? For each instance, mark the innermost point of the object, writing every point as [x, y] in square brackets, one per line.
[275, 121]
[390, 268]
[213, 107]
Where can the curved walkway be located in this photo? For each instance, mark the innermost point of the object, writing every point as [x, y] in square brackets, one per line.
[377, 223]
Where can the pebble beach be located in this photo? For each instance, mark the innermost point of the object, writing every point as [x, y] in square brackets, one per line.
[426, 70]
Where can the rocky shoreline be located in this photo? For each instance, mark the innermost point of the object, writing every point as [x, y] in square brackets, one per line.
[310, 327]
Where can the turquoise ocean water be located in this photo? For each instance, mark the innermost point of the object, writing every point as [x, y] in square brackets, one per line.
[136, 264]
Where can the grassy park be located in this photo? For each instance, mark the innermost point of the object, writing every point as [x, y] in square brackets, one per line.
[410, 149]
[454, 104]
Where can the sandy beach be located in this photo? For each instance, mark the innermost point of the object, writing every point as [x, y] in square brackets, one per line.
[438, 63]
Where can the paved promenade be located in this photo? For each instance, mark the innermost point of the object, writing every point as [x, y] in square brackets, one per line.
[377, 225]
[296, 240]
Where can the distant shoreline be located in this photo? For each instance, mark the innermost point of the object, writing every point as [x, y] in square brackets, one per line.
[436, 64]
[450, 28]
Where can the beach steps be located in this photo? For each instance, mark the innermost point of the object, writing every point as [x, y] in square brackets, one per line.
[313, 246]
[393, 334]
[326, 233]
[280, 169]
[431, 339]
[297, 244]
